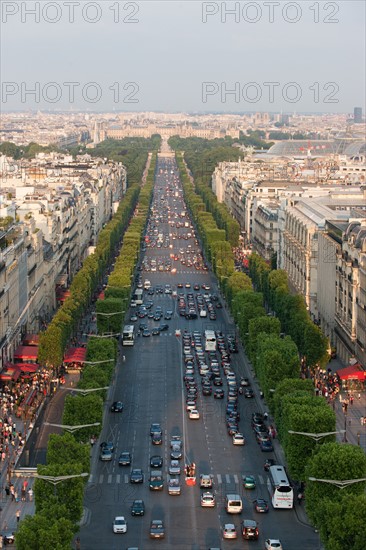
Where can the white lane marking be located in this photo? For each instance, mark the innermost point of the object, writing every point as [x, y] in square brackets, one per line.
[101, 478]
[90, 480]
[236, 479]
[118, 478]
[109, 478]
[227, 478]
[219, 478]
[261, 480]
[126, 478]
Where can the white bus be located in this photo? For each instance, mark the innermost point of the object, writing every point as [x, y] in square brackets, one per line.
[138, 296]
[279, 488]
[128, 335]
[210, 340]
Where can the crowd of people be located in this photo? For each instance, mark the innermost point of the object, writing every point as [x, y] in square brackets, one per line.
[13, 396]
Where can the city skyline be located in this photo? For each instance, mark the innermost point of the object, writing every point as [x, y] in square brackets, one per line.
[200, 57]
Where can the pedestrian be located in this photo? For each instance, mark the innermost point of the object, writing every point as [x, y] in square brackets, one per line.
[123, 358]
[17, 514]
[265, 416]
[12, 492]
[7, 490]
[30, 494]
[77, 544]
[351, 400]
[359, 396]
[299, 498]
[361, 420]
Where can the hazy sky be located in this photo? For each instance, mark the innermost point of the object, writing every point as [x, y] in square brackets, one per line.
[183, 56]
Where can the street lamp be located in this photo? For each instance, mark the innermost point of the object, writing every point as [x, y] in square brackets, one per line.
[72, 429]
[108, 315]
[55, 480]
[341, 484]
[85, 391]
[316, 436]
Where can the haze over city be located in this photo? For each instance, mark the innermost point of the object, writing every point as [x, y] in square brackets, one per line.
[183, 56]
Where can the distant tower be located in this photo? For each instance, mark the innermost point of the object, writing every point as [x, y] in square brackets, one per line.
[357, 115]
[96, 133]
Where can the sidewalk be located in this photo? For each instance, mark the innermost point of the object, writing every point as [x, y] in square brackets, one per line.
[355, 431]
[34, 453]
[35, 449]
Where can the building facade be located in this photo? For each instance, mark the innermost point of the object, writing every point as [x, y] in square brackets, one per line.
[52, 224]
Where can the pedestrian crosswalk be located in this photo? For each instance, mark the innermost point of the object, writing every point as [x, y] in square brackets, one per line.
[218, 479]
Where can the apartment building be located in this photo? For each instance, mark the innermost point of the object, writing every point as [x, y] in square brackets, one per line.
[350, 292]
[305, 218]
[57, 216]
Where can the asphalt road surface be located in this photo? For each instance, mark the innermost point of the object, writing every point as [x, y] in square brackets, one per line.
[150, 385]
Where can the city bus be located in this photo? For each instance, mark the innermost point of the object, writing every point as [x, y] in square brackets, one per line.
[210, 340]
[279, 488]
[128, 335]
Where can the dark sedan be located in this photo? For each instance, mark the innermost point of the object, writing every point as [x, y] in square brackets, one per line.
[266, 446]
[156, 439]
[136, 476]
[156, 462]
[117, 407]
[261, 506]
[138, 508]
[124, 459]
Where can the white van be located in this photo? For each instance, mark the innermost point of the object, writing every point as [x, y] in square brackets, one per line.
[234, 504]
[203, 313]
[147, 284]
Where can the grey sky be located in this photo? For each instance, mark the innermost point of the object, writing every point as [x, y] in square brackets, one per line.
[169, 52]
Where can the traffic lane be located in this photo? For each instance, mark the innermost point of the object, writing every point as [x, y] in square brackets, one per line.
[129, 425]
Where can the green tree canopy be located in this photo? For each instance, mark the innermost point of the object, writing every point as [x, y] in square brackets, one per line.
[333, 461]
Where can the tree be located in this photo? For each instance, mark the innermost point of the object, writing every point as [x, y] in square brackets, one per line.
[342, 522]
[237, 282]
[276, 359]
[80, 410]
[68, 493]
[334, 461]
[315, 345]
[290, 386]
[64, 449]
[308, 414]
[256, 328]
[43, 531]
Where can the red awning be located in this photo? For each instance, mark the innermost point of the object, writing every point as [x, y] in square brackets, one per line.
[27, 367]
[31, 340]
[352, 372]
[10, 374]
[26, 353]
[75, 355]
[63, 295]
